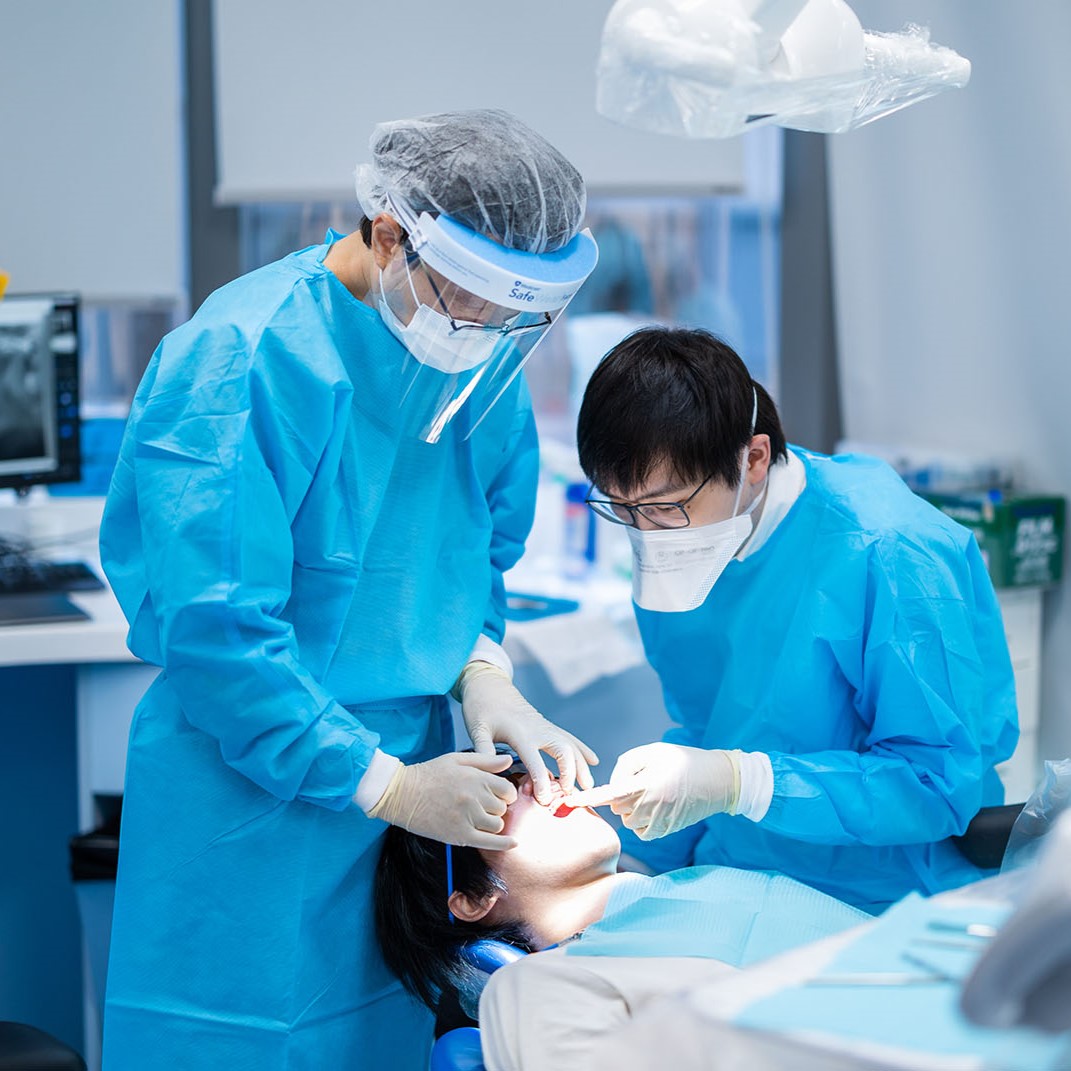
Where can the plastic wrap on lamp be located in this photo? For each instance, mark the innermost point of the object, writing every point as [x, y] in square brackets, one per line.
[1049, 800]
[1024, 976]
[715, 68]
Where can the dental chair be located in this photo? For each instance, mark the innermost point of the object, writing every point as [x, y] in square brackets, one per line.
[457, 1035]
[985, 839]
[25, 1048]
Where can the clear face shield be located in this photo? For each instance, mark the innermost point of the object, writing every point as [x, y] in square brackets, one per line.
[470, 312]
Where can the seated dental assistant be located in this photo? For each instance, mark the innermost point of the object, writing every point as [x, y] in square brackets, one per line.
[829, 645]
[324, 476]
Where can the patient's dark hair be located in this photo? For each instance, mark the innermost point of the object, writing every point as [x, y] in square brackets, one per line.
[671, 395]
[416, 935]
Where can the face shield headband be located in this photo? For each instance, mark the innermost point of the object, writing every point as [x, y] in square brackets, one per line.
[470, 312]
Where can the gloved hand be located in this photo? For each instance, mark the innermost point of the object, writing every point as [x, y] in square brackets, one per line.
[456, 798]
[495, 712]
[661, 788]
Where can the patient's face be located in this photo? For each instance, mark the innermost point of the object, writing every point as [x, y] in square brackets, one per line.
[556, 846]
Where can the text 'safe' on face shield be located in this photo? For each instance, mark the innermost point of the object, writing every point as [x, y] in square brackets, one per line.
[470, 312]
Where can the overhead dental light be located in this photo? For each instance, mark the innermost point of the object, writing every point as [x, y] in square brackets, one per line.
[715, 68]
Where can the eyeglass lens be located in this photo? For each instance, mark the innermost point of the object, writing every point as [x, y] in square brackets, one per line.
[661, 514]
[664, 515]
[516, 324]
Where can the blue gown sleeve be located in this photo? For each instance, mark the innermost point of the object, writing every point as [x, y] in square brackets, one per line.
[511, 499]
[933, 682]
[673, 852]
[219, 475]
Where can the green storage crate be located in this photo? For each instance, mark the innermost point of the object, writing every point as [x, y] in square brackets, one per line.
[1021, 536]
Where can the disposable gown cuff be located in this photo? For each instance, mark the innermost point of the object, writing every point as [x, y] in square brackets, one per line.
[374, 782]
[756, 784]
[485, 650]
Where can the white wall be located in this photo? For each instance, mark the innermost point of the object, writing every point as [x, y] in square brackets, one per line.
[91, 167]
[952, 279]
[299, 88]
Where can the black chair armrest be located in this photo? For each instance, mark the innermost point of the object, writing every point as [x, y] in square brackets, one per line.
[23, 1047]
[985, 839]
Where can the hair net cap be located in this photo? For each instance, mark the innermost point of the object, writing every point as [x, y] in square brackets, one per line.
[484, 168]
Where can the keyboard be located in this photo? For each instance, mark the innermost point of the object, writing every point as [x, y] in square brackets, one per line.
[39, 608]
[27, 576]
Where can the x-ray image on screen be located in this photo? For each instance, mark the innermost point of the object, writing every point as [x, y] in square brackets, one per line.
[27, 427]
[40, 428]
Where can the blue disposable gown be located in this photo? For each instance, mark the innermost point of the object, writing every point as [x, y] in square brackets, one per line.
[862, 648]
[311, 582]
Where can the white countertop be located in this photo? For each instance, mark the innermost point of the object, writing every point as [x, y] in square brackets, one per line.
[64, 529]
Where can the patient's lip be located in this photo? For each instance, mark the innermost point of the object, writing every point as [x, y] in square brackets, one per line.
[560, 809]
[557, 808]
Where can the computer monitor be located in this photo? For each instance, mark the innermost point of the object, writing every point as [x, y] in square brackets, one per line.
[40, 431]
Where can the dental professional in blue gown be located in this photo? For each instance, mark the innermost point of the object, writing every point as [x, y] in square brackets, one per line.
[830, 646]
[325, 474]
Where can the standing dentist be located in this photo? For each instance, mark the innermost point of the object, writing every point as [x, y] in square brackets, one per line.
[325, 474]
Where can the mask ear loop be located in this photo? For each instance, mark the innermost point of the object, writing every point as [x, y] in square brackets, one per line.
[750, 436]
[409, 280]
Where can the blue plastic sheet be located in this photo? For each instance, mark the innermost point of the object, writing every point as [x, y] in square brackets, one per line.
[925, 941]
[736, 916]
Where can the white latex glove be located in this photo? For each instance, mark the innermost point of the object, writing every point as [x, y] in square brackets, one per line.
[495, 712]
[661, 788]
[456, 798]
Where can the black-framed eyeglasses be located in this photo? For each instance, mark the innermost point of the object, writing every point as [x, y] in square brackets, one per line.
[507, 327]
[660, 514]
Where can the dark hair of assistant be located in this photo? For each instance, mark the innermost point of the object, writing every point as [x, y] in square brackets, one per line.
[671, 395]
[418, 939]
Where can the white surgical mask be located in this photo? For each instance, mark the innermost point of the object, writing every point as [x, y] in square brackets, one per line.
[430, 338]
[674, 569]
